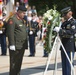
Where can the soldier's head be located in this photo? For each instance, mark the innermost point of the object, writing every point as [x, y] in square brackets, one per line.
[21, 11]
[66, 12]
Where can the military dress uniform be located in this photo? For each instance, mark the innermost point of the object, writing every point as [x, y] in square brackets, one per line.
[17, 36]
[3, 33]
[32, 34]
[3, 39]
[67, 35]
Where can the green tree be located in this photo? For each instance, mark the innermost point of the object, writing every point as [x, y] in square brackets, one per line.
[43, 5]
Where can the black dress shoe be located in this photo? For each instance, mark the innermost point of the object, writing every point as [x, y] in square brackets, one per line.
[45, 56]
[31, 55]
[3, 54]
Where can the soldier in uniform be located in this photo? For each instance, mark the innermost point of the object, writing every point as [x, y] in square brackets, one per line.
[3, 32]
[17, 37]
[3, 39]
[32, 34]
[67, 34]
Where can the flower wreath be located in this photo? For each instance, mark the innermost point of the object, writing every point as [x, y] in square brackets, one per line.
[50, 19]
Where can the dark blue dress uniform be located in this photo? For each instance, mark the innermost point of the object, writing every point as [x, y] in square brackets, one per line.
[3, 40]
[45, 53]
[67, 34]
[32, 34]
[3, 34]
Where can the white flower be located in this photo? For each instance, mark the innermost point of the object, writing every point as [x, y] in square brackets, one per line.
[50, 15]
[54, 12]
[48, 12]
[43, 41]
[45, 14]
[50, 18]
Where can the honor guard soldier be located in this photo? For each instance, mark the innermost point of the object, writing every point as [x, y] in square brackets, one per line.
[32, 34]
[3, 32]
[17, 37]
[67, 35]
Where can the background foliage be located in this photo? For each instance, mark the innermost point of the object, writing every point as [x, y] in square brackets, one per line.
[43, 5]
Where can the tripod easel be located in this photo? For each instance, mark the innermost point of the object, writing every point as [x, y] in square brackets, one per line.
[56, 46]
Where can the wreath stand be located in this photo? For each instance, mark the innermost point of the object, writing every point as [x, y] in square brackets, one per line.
[56, 46]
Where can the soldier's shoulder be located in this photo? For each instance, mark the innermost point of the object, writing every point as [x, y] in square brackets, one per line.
[11, 20]
[12, 17]
[73, 21]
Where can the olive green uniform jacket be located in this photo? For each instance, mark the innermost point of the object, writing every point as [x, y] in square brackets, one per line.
[16, 32]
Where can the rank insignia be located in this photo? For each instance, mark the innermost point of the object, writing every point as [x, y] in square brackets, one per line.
[20, 25]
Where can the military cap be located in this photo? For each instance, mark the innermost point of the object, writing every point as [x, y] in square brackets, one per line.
[22, 8]
[65, 10]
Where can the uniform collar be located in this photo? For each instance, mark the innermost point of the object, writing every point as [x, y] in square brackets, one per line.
[18, 17]
[70, 18]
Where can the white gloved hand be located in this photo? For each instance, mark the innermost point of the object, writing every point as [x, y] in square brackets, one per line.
[31, 32]
[12, 47]
[56, 29]
[1, 32]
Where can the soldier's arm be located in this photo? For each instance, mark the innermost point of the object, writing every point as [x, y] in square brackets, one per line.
[10, 31]
[69, 32]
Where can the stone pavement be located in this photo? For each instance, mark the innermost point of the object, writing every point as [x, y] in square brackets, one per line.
[34, 65]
